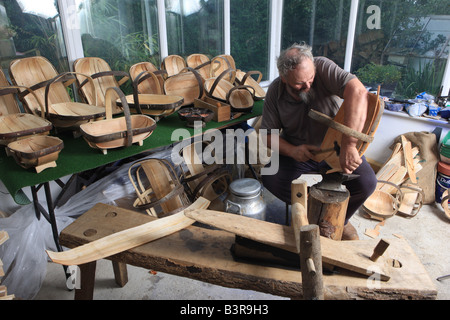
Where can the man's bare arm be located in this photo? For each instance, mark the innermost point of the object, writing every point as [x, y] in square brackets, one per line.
[356, 103]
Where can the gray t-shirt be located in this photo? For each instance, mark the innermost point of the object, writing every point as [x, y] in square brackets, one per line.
[281, 111]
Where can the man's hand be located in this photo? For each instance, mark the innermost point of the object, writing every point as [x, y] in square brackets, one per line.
[303, 152]
[349, 159]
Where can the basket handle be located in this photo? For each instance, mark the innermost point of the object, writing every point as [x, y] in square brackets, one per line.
[197, 76]
[144, 75]
[215, 61]
[109, 96]
[219, 78]
[16, 90]
[245, 87]
[141, 77]
[65, 77]
[248, 74]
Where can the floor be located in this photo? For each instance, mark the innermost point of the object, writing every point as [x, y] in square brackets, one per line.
[427, 234]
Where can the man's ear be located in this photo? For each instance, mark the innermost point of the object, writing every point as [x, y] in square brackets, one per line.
[283, 79]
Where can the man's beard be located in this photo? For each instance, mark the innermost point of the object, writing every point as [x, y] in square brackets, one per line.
[307, 96]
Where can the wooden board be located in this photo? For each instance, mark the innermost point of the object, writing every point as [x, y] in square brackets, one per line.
[124, 240]
[204, 254]
[337, 253]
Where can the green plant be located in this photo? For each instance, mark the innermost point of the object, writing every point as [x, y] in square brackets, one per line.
[427, 78]
[378, 74]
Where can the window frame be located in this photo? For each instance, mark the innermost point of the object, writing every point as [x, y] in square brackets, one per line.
[74, 46]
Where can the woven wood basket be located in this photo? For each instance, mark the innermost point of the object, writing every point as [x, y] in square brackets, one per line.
[117, 132]
[39, 152]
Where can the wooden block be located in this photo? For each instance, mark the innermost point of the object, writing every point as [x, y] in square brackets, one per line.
[222, 111]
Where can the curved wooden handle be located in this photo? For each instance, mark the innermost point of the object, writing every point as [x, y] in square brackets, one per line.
[126, 110]
[326, 120]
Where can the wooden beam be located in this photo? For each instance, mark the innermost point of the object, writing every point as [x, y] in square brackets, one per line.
[126, 239]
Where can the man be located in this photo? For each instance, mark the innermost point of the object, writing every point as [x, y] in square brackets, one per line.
[317, 83]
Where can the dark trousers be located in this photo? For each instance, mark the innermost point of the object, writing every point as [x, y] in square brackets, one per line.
[360, 188]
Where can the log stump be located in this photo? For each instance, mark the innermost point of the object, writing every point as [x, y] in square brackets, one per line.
[327, 209]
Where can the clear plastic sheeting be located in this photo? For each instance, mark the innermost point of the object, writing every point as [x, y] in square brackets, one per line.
[23, 255]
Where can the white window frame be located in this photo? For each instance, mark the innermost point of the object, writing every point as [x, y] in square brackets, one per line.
[74, 46]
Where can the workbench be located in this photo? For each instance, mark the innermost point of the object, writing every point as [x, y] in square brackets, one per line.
[204, 254]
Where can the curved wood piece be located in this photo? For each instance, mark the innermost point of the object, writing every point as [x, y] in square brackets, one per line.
[127, 239]
[245, 78]
[221, 63]
[383, 204]
[337, 129]
[328, 121]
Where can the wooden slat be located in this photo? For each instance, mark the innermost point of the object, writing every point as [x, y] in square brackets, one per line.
[127, 239]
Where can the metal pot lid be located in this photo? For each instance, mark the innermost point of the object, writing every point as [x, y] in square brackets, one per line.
[245, 187]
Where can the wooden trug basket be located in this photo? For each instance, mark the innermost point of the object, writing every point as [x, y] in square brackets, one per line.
[187, 84]
[15, 125]
[103, 78]
[152, 101]
[39, 152]
[240, 97]
[201, 63]
[38, 74]
[117, 132]
[158, 187]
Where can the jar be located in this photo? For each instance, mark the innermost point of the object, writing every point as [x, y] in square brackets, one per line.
[442, 180]
[245, 198]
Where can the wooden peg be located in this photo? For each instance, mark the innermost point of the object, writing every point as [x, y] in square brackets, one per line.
[311, 263]
[379, 250]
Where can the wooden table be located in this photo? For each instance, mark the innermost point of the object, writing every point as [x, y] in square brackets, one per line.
[204, 254]
[77, 157]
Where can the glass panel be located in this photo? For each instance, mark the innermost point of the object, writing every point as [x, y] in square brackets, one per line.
[31, 28]
[250, 36]
[194, 26]
[402, 45]
[322, 24]
[121, 32]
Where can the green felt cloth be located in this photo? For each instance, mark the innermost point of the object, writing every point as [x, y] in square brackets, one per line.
[77, 156]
